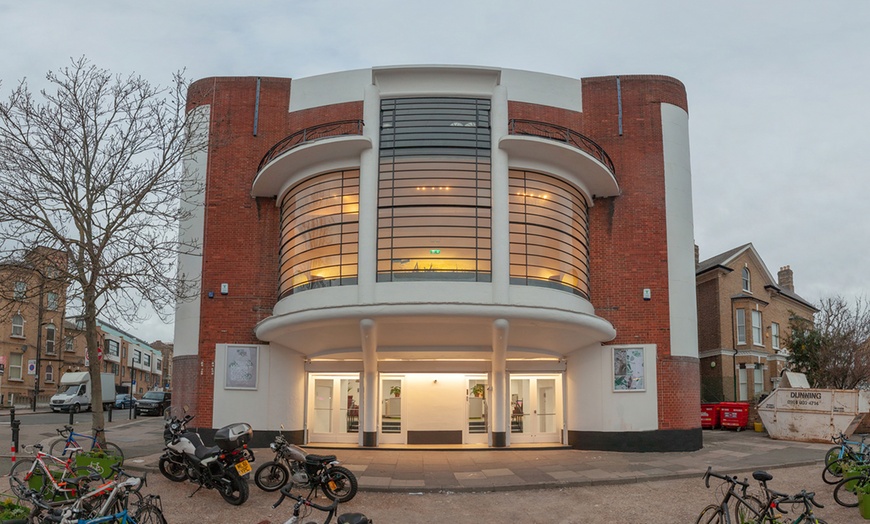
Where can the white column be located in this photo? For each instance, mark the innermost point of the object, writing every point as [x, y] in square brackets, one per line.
[500, 192]
[368, 198]
[369, 404]
[499, 382]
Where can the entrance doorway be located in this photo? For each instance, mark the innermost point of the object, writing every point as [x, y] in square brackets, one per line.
[535, 409]
[333, 412]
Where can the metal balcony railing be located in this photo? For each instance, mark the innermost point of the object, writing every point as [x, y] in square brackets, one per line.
[564, 135]
[310, 134]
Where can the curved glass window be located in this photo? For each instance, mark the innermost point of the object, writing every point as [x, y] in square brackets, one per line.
[320, 233]
[434, 190]
[549, 233]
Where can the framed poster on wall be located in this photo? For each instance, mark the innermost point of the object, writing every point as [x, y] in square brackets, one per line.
[628, 369]
[241, 367]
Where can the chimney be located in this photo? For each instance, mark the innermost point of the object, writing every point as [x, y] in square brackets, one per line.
[786, 278]
[697, 256]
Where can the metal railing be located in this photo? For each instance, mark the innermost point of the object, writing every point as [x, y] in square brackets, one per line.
[310, 134]
[564, 135]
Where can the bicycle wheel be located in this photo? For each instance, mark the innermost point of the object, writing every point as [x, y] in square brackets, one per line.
[21, 479]
[712, 514]
[58, 448]
[747, 510]
[834, 471]
[832, 455]
[846, 492]
[149, 515]
[110, 448]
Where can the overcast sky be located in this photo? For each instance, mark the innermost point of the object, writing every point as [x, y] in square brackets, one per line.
[777, 89]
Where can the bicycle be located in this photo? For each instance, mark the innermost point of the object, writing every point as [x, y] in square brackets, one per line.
[302, 502]
[69, 443]
[834, 471]
[844, 445]
[747, 509]
[37, 474]
[109, 502]
[846, 491]
[150, 514]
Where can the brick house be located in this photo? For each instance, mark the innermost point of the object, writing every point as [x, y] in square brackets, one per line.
[743, 319]
[443, 255]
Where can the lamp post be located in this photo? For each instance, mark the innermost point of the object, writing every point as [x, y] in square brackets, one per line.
[39, 316]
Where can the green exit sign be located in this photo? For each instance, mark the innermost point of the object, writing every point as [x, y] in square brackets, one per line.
[434, 251]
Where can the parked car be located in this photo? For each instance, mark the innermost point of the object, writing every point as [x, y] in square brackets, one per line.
[124, 401]
[153, 403]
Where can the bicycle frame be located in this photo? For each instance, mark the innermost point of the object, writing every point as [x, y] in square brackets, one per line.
[72, 444]
[39, 461]
[847, 447]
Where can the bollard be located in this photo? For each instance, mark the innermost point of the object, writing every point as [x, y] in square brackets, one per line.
[71, 417]
[16, 424]
[110, 412]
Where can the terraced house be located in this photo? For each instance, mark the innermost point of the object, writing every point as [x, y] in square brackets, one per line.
[425, 255]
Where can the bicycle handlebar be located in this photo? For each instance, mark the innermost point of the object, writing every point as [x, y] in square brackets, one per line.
[804, 497]
[726, 478]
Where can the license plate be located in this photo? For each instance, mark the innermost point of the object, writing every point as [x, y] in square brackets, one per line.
[243, 467]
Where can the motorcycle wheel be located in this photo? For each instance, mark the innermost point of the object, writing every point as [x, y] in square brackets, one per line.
[233, 488]
[271, 476]
[174, 471]
[341, 484]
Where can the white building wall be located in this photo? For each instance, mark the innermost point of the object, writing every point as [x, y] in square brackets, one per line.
[593, 405]
[279, 397]
[187, 313]
[680, 229]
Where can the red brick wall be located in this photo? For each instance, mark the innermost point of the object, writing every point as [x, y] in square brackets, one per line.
[238, 225]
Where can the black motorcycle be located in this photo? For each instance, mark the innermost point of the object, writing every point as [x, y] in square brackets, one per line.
[224, 467]
[304, 470]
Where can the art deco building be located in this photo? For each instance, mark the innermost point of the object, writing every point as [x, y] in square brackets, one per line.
[444, 255]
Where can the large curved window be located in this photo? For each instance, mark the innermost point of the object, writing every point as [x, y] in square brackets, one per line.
[548, 233]
[320, 233]
[434, 190]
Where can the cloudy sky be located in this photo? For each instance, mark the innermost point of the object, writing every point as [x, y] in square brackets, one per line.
[778, 90]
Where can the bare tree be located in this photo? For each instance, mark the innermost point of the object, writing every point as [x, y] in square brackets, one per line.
[834, 350]
[91, 167]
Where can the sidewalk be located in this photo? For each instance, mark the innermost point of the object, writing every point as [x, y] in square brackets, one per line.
[413, 470]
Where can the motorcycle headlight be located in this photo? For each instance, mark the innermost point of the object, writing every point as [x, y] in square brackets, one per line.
[273, 446]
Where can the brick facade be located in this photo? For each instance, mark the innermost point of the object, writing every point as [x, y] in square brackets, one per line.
[628, 234]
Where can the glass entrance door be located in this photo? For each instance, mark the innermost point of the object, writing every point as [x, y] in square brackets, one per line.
[535, 409]
[477, 429]
[333, 412]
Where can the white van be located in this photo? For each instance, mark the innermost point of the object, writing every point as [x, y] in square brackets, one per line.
[75, 392]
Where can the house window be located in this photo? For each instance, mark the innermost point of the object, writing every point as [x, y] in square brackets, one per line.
[159, 365]
[17, 326]
[123, 372]
[746, 280]
[146, 360]
[115, 368]
[774, 335]
[80, 324]
[741, 327]
[15, 366]
[20, 290]
[758, 386]
[112, 347]
[52, 301]
[137, 357]
[741, 377]
[756, 328]
[70, 344]
[49, 339]
[49, 373]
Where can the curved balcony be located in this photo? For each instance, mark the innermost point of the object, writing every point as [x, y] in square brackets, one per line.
[333, 145]
[539, 145]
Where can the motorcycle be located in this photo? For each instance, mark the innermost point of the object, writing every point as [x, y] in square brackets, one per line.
[224, 467]
[294, 465]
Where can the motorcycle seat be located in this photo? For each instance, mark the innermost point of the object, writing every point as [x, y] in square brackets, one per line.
[203, 452]
[318, 459]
